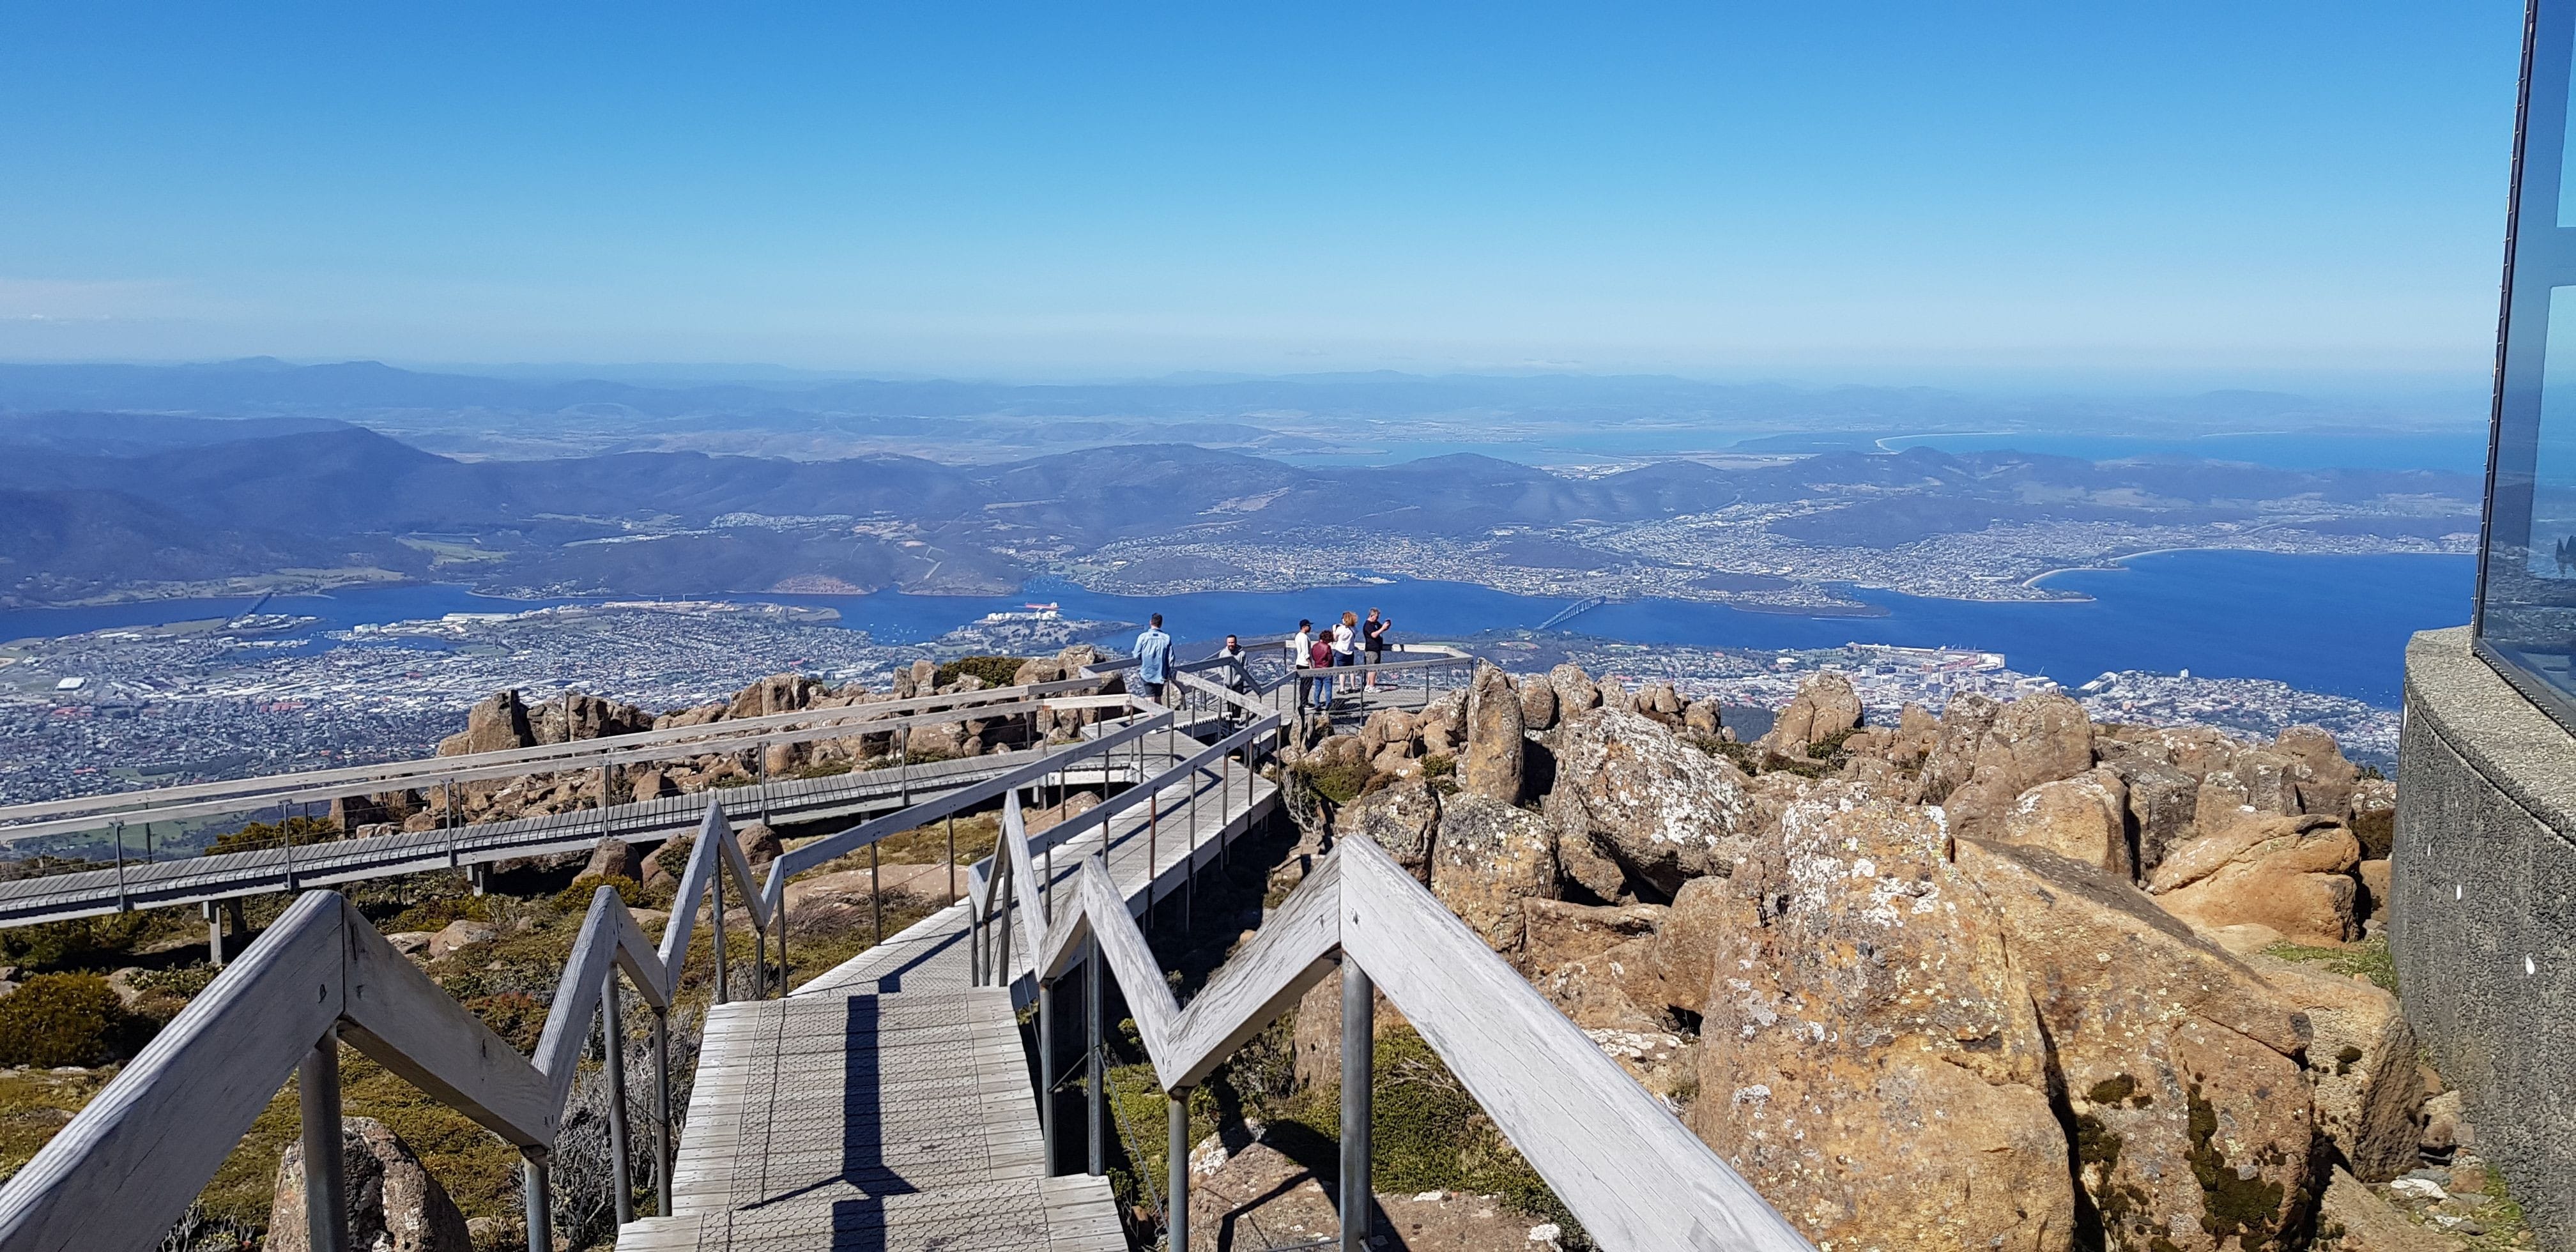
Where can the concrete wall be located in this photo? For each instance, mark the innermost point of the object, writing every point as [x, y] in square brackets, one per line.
[2483, 920]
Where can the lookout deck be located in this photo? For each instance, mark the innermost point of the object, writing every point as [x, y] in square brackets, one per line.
[889, 1103]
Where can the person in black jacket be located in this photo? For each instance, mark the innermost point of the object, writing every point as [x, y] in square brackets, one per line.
[1373, 641]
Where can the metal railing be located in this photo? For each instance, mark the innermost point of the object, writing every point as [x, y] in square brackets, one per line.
[1617, 1158]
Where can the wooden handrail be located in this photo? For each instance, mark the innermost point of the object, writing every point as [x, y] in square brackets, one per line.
[128, 1165]
[1618, 1159]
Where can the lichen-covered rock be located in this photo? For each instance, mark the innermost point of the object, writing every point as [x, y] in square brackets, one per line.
[613, 858]
[1491, 765]
[1917, 731]
[1868, 1058]
[1400, 819]
[1704, 717]
[2325, 786]
[1487, 859]
[394, 1203]
[1588, 959]
[760, 845]
[2361, 1062]
[1825, 706]
[1953, 758]
[1388, 728]
[2193, 1127]
[2293, 874]
[1663, 810]
[2374, 816]
[2162, 801]
[1575, 690]
[496, 723]
[1538, 703]
[2352, 1218]
[2036, 739]
[1660, 702]
[2084, 817]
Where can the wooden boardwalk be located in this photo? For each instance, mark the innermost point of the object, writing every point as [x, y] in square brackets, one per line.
[889, 1104]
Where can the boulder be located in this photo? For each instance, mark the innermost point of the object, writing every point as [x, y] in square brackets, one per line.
[1917, 731]
[1586, 959]
[1869, 1059]
[1660, 702]
[575, 716]
[778, 693]
[1579, 863]
[1491, 765]
[1825, 706]
[2292, 874]
[1487, 858]
[1558, 933]
[2374, 816]
[2162, 801]
[460, 933]
[1575, 690]
[2191, 1115]
[1663, 810]
[2352, 1218]
[1953, 758]
[496, 723]
[394, 1203]
[760, 845]
[2374, 889]
[2084, 817]
[936, 740]
[1681, 955]
[2326, 786]
[411, 942]
[1442, 726]
[614, 858]
[1400, 819]
[1388, 727]
[1704, 717]
[2360, 1056]
[1538, 704]
[2035, 739]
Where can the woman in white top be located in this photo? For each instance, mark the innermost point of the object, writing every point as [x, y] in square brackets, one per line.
[1346, 645]
[1299, 645]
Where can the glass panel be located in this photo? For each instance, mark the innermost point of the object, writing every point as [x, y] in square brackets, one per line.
[2530, 609]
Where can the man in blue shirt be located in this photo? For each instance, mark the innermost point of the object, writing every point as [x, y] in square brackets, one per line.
[1154, 661]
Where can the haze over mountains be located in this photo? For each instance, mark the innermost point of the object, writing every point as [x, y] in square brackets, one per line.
[121, 506]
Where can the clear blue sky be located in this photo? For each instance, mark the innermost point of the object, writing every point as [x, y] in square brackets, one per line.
[1077, 190]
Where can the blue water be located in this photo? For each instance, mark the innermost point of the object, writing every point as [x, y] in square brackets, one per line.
[2325, 623]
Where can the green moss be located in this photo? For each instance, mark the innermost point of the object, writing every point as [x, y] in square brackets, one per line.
[2345, 1059]
[2229, 1204]
[1439, 765]
[1340, 782]
[2095, 1143]
[2368, 958]
[436, 914]
[996, 671]
[2112, 1090]
[64, 1019]
[575, 899]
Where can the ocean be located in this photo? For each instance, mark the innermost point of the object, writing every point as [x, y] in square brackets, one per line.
[2333, 624]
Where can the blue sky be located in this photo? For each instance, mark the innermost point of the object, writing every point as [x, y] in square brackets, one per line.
[1855, 190]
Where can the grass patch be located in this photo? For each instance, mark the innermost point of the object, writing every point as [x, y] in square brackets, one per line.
[996, 671]
[2368, 958]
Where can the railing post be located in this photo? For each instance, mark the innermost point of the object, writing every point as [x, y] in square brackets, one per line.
[662, 1110]
[1096, 1091]
[876, 893]
[538, 1188]
[121, 905]
[326, 1191]
[1046, 1071]
[779, 908]
[759, 948]
[719, 930]
[1177, 1164]
[952, 856]
[1359, 1055]
[214, 934]
[612, 1065]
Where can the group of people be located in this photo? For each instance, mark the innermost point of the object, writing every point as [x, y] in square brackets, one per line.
[1352, 642]
[1348, 642]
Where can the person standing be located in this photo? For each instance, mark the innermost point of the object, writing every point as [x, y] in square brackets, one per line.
[1298, 645]
[1346, 645]
[1373, 643]
[1319, 655]
[1154, 661]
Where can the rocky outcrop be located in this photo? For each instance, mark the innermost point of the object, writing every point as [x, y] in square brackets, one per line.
[1825, 706]
[1641, 797]
[496, 723]
[1575, 690]
[394, 1203]
[1868, 1057]
[1487, 858]
[1587, 959]
[2084, 817]
[575, 716]
[1491, 765]
[760, 845]
[1400, 818]
[2036, 739]
[2360, 1055]
[2352, 1218]
[2292, 874]
[2192, 1119]
[1538, 705]
[614, 858]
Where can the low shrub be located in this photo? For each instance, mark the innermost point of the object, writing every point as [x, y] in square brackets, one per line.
[575, 899]
[996, 671]
[62, 1019]
[519, 1019]
[54, 944]
[293, 832]
[436, 914]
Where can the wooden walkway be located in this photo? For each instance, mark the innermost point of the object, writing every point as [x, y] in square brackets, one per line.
[889, 1104]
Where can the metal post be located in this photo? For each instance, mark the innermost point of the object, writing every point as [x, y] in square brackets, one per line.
[1153, 858]
[721, 998]
[1095, 1097]
[612, 1036]
[214, 934]
[1190, 860]
[1177, 1164]
[781, 909]
[120, 866]
[662, 1112]
[603, 797]
[760, 786]
[952, 856]
[1359, 1047]
[287, 837]
[759, 948]
[1046, 1072]
[903, 768]
[876, 893]
[539, 1190]
[326, 1191]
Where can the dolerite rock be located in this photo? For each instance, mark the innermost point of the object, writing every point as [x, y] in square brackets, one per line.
[2374, 816]
[2293, 874]
[1575, 690]
[2193, 1127]
[778, 693]
[2035, 739]
[1660, 702]
[2084, 817]
[496, 723]
[1442, 725]
[1587, 960]
[1399, 818]
[1917, 731]
[1486, 859]
[1953, 758]
[1704, 717]
[2326, 788]
[576, 716]
[2361, 1062]
[1583, 868]
[614, 858]
[1388, 727]
[1492, 763]
[1665, 811]
[1869, 1059]
[1825, 706]
[1681, 956]
[2352, 1218]
[461, 933]
[2161, 801]
[394, 1204]
[1538, 703]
